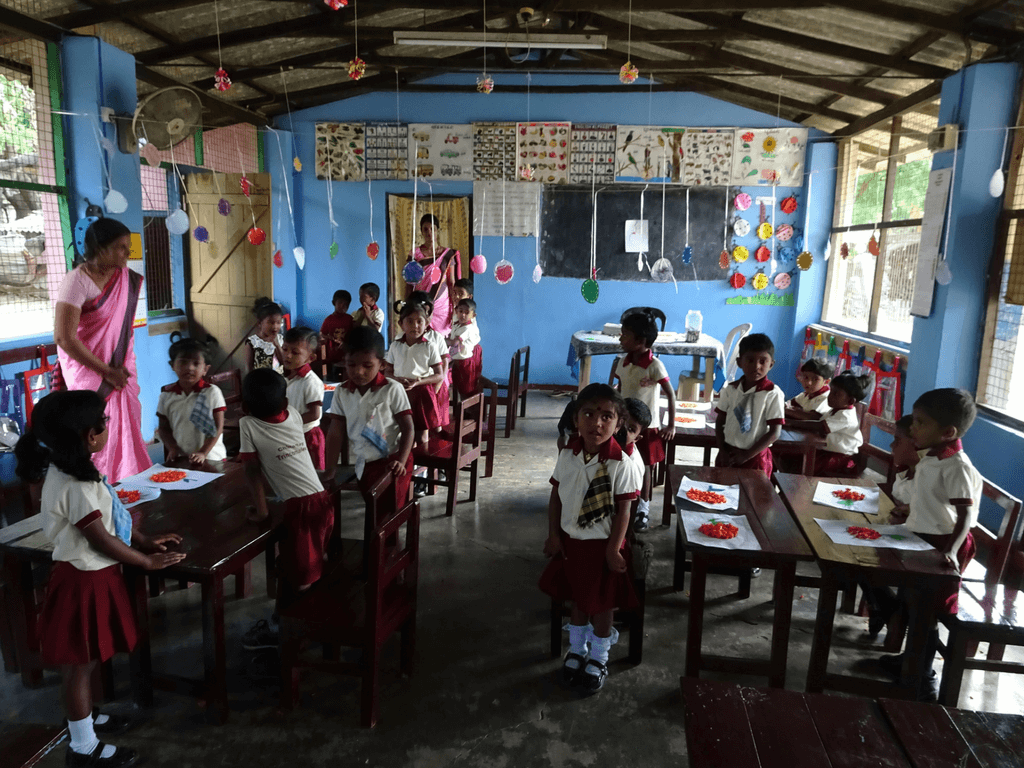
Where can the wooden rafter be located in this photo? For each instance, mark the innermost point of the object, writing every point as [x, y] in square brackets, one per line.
[948, 24]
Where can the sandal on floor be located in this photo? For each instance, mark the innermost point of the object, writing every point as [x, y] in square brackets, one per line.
[571, 675]
[593, 682]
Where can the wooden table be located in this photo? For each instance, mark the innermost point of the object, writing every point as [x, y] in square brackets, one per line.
[589, 343]
[739, 727]
[920, 574]
[782, 546]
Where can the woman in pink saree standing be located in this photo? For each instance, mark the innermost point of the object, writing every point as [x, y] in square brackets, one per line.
[440, 283]
[93, 329]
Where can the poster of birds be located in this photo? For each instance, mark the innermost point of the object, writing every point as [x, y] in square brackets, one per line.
[649, 153]
[769, 157]
[707, 157]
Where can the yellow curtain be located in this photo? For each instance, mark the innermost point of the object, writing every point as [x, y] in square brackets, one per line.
[404, 229]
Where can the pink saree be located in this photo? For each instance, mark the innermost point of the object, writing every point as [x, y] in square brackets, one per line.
[440, 292]
[106, 328]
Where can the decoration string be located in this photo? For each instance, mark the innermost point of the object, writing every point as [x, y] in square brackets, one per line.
[216, 18]
[484, 49]
[593, 222]
[241, 167]
[369, 194]
[629, 34]
[949, 207]
[355, 25]
[725, 227]
[415, 198]
[807, 214]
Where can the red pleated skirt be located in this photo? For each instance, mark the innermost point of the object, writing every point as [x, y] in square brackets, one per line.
[832, 464]
[582, 575]
[423, 403]
[316, 442]
[651, 447]
[948, 603]
[442, 398]
[762, 461]
[309, 521]
[87, 616]
[466, 373]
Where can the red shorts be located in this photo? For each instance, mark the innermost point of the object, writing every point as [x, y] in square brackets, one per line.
[948, 603]
[308, 521]
[651, 447]
[396, 497]
[423, 403]
[87, 616]
[832, 464]
[762, 461]
[588, 582]
[466, 373]
[315, 443]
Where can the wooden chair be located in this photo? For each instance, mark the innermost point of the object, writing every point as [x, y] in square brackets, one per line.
[871, 456]
[461, 452]
[515, 391]
[230, 383]
[489, 392]
[344, 609]
[658, 314]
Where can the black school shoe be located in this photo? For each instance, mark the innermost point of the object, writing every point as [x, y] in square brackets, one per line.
[590, 682]
[571, 675]
[122, 758]
[115, 724]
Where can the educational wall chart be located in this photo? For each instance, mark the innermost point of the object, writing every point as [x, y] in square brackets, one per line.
[644, 152]
[593, 153]
[387, 151]
[494, 151]
[521, 202]
[707, 156]
[542, 152]
[340, 151]
[441, 151]
[769, 156]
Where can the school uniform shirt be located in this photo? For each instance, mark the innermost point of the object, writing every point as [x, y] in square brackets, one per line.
[305, 389]
[943, 478]
[842, 431]
[376, 319]
[333, 323]
[749, 414]
[903, 486]
[69, 507]
[573, 477]
[278, 444]
[387, 399]
[176, 406]
[263, 353]
[641, 374]
[816, 402]
[413, 360]
[633, 455]
[465, 338]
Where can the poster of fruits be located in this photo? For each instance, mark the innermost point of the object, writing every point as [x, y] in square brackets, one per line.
[341, 151]
[542, 152]
[769, 156]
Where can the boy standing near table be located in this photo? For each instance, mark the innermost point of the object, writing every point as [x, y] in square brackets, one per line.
[944, 500]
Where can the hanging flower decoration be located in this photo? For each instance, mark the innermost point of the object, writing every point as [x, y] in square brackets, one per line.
[246, 186]
[687, 255]
[764, 230]
[741, 227]
[788, 204]
[372, 250]
[627, 76]
[538, 273]
[784, 232]
[356, 68]
[760, 281]
[873, 248]
[762, 254]
[526, 173]
[844, 250]
[804, 260]
[223, 207]
[297, 164]
[737, 280]
[256, 236]
[590, 291]
[485, 84]
[503, 272]
[743, 201]
[478, 264]
[278, 259]
[335, 5]
[723, 259]
[412, 272]
[221, 81]
[201, 234]
[333, 250]
[783, 281]
[740, 254]
[769, 144]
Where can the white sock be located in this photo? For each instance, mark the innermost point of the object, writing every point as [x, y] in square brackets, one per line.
[599, 646]
[579, 634]
[83, 737]
[643, 507]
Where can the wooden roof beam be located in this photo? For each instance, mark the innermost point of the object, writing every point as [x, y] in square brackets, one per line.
[953, 24]
[774, 100]
[119, 11]
[930, 91]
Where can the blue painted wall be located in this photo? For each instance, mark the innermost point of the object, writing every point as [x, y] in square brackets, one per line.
[542, 315]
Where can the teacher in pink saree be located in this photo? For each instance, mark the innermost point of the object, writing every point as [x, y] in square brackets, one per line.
[93, 329]
[441, 268]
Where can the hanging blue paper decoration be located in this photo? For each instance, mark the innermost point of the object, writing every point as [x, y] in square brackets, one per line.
[687, 254]
[200, 234]
[412, 272]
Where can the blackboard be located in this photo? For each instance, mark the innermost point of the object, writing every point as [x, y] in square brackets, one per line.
[566, 213]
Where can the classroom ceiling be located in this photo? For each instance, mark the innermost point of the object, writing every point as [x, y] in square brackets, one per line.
[837, 65]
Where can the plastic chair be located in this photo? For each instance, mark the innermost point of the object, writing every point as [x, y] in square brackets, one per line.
[732, 354]
[658, 314]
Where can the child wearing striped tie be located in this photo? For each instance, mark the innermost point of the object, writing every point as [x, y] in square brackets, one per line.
[191, 411]
[594, 483]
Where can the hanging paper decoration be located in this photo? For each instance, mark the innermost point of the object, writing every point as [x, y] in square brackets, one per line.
[177, 222]
[335, 5]
[760, 281]
[412, 272]
[246, 186]
[741, 227]
[740, 254]
[783, 280]
[214, 251]
[844, 250]
[200, 234]
[662, 271]
[784, 232]
[997, 183]
[297, 164]
[737, 280]
[788, 204]
[484, 84]
[742, 201]
[873, 246]
[372, 250]
[628, 73]
[299, 254]
[256, 236]
[687, 255]
[433, 273]
[764, 230]
[221, 81]
[333, 250]
[627, 76]
[526, 173]
[804, 260]
[503, 272]
[590, 291]
[278, 259]
[224, 207]
[537, 273]
[356, 68]
[478, 264]
[762, 254]
[723, 259]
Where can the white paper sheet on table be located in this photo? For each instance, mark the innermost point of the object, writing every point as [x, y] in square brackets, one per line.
[146, 493]
[193, 479]
[893, 536]
[690, 421]
[744, 539]
[731, 493]
[868, 505]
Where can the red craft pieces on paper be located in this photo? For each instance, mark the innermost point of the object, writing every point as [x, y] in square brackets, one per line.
[170, 476]
[866, 534]
[719, 530]
[708, 497]
[129, 497]
[848, 494]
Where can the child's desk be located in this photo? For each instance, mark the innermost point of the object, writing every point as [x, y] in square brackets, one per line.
[588, 343]
[920, 573]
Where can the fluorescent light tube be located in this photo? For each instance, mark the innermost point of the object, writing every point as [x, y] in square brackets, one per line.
[502, 40]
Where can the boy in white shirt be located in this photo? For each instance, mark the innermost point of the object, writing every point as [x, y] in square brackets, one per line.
[904, 459]
[369, 313]
[190, 412]
[305, 389]
[634, 424]
[814, 377]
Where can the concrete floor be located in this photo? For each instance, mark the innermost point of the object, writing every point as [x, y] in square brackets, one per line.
[485, 692]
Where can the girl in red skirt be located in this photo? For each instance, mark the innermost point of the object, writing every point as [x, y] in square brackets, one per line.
[414, 361]
[588, 514]
[441, 390]
[87, 616]
[467, 357]
[840, 426]
[305, 389]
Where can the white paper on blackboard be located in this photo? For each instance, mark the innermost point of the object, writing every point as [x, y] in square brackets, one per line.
[636, 236]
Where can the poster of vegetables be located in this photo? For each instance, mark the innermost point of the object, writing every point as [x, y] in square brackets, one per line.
[341, 151]
[769, 156]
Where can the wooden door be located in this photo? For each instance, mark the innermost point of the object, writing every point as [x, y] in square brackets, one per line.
[228, 272]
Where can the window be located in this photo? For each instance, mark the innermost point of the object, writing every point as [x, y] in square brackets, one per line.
[34, 221]
[1001, 377]
[880, 189]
